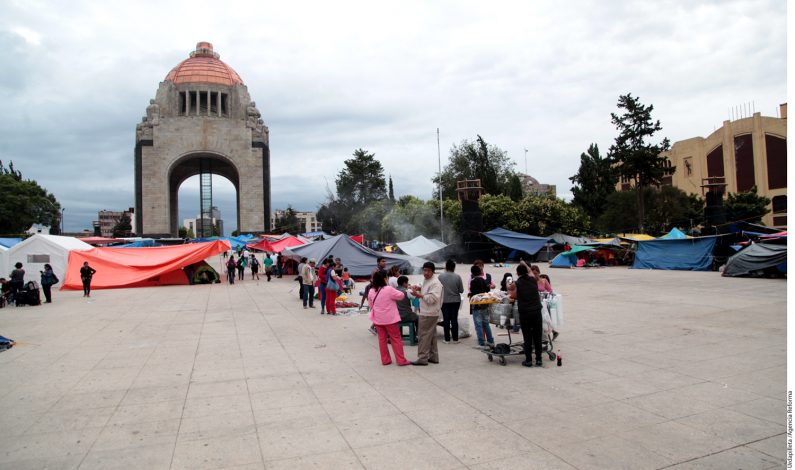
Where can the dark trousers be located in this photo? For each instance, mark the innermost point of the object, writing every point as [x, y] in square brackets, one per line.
[230, 275]
[86, 287]
[531, 332]
[450, 320]
[300, 287]
[309, 294]
[241, 273]
[47, 288]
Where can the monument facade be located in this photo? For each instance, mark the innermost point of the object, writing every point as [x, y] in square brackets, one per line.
[201, 122]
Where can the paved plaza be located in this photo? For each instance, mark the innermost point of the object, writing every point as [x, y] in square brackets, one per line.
[660, 369]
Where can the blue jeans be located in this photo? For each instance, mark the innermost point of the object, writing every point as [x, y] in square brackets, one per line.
[309, 295]
[481, 318]
[322, 298]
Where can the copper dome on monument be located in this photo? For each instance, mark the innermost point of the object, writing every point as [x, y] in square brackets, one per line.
[204, 66]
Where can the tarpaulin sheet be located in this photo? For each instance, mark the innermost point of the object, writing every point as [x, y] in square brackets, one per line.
[358, 239]
[286, 242]
[690, 254]
[568, 259]
[756, 257]
[122, 267]
[421, 246]
[360, 260]
[562, 239]
[674, 234]
[262, 245]
[517, 241]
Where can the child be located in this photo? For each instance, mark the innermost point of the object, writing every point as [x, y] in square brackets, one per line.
[347, 282]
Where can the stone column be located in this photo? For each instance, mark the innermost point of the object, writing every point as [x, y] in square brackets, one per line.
[187, 103]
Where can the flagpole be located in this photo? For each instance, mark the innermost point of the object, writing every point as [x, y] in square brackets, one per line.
[441, 202]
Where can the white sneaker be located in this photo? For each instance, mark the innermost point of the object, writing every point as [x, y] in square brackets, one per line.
[456, 342]
[445, 341]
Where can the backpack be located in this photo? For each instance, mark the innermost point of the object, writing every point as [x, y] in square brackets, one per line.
[230, 264]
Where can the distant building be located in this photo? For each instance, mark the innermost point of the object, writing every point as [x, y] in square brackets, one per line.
[192, 225]
[747, 152]
[531, 185]
[307, 220]
[107, 221]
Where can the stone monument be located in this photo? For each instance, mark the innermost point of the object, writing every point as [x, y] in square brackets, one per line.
[202, 121]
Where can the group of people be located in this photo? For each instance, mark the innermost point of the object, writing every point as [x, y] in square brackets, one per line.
[11, 287]
[330, 278]
[272, 264]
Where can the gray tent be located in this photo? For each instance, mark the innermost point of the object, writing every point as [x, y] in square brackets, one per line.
[421, 246]
[562, 239]
[757, 257]
[360, 260]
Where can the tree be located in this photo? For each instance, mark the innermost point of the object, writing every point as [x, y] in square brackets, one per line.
[632, 156]
[391, 190]
[475, 160]
[182, 232]
[534, 215]
[24, 203]
[123, 227]
[288, 222]
[515, 191]
[594, 181]
[746, 206]
[358, 184]
[667, 207]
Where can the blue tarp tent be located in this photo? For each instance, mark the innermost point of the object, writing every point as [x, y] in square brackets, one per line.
[568, 259]
[689, 254]
[9, 242]
[238, 242]
[145, 243]
[517, 241]
[674, 234]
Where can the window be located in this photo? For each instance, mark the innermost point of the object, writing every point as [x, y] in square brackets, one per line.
[667, 180]
[780, 204]
[744, 162]
[224, 104]
[715, 162]
[776, 162]
[38, 259]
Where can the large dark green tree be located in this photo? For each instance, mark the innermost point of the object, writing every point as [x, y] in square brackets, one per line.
[24, 203]
[594, 181]
[666, 208]
[288, 222]
[632, 154]
[746, 206]
[123, 227]
[360, 183]
[476, 160]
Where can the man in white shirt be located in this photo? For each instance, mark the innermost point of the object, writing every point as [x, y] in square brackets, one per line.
[430, 295]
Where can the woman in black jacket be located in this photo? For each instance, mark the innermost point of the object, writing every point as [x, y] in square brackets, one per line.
[529, 306]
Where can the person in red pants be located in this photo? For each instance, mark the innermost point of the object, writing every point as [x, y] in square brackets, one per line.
[384, 315]
[332, 286]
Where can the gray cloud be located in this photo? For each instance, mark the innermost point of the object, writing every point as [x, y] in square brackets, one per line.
[330, 78]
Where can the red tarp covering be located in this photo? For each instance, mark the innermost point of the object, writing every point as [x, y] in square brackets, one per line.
[100, 240]
[262, 245]
[286, 242]
[141, 267]
[358, 239]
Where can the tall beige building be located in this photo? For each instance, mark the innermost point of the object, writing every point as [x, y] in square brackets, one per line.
[746, 152]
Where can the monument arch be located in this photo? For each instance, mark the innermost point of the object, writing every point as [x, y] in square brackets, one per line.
[201, 121]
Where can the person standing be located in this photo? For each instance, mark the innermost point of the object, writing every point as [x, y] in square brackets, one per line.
[384, 315]
[451, 301]
[529, 307]
[308, 278]
[268, 263]
[279, 265]
[430, 295]
[16, 281]
[299, 278]
[86, 274]
[321, 285]
[332, 286]
[480, 314]
[231, 267]
[241, 268]
[48, 278]
[254, 264]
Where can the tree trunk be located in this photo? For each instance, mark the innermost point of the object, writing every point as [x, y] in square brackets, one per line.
[641, 207]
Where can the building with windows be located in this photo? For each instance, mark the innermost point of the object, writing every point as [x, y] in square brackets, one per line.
[193, 226]
[741, 154]
[531, 185]
[307, 220]
[107, 220]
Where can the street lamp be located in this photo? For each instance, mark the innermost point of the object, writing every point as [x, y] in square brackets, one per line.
[62, 224]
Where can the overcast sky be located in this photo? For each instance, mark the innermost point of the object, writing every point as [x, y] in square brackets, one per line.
[331, 77]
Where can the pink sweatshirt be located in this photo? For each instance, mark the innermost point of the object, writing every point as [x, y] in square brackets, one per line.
[383, 309]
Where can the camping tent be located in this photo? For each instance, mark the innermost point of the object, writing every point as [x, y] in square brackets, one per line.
[359, 260]
[9, 242]
[757, 257]
[568, 259]
[286, 242]
[262, 245]
[562, 239]
[420, 246]
[39, 249]
[689, 254]
[518, 241]
[122, 267]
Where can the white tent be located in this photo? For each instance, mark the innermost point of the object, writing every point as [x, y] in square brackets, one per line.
[39, 249]
[421, 246]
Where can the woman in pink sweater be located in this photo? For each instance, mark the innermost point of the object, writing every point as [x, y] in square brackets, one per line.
[384, 315]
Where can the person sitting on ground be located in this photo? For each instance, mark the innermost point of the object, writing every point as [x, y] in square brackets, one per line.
[384, 315]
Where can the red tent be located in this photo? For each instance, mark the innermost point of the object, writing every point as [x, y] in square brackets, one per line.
[358, 239]
[286, 242]
[139, 267]
[262, 245]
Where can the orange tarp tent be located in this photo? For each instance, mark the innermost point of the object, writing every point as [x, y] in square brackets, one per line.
[139, 267]
[262, 245]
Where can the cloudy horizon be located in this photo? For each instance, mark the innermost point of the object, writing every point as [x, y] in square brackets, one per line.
[336, 77]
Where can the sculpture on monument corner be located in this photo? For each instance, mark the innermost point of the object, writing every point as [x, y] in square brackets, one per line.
[252, 115]
[153, 113]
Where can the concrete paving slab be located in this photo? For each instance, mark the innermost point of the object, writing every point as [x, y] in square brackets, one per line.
[660, 369]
